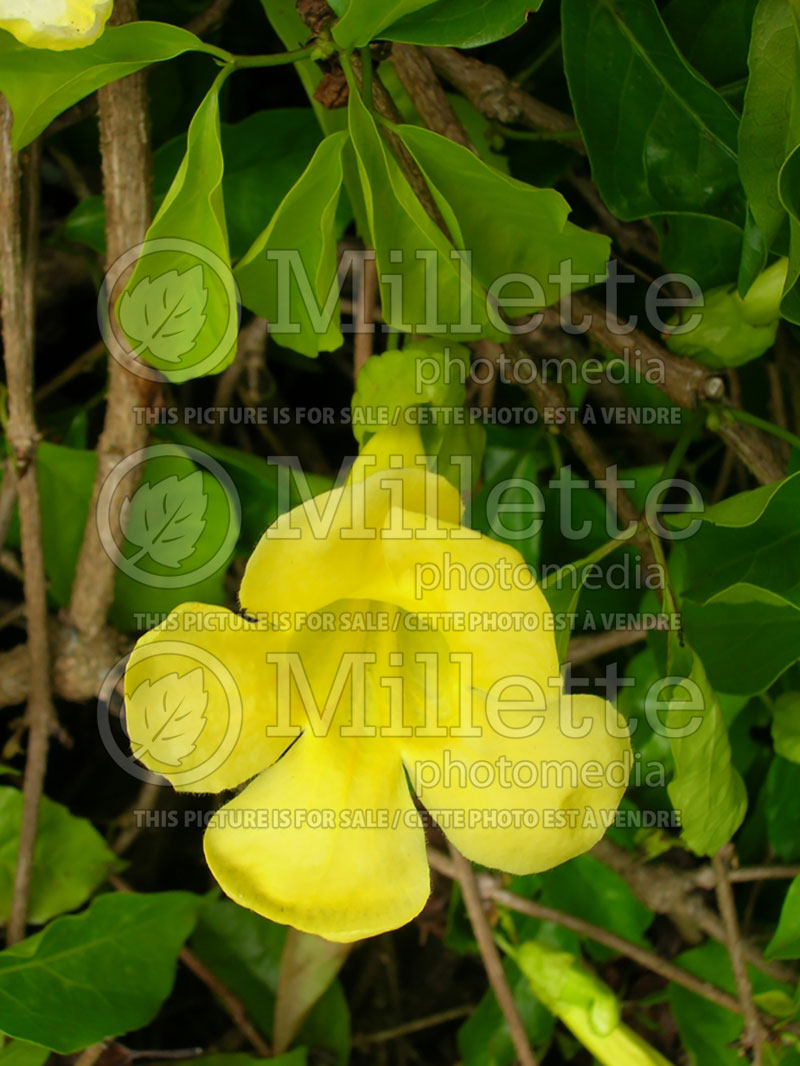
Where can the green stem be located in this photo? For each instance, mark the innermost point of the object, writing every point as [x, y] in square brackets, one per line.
[688, 431]
[277, 60]
[738, 415]
[525, 75]
[595, 557]
[366, 76]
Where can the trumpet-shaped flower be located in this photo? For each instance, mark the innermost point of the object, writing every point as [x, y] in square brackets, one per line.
[385, 652]
[56, 24]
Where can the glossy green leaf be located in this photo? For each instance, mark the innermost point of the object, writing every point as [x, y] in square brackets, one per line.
[742, 509]
[179, 309]
[786, 726]
[424, 372]
[659, 138]
[70, 859]
[770, 126]
[588, 889]
[363, 20]
[707, 249]
[707, 791]
[430, 296]
[785, 944]
[723, 337]
[18, 1053]
[66, 482]
[454, 24]
[289, 275]
[253, 185]
[789, 189]
[40, 83]
[780, 802]
[713, 37]
[746, 637]
[764, 552]
[96, 975]
[507, 226]
[244, 950]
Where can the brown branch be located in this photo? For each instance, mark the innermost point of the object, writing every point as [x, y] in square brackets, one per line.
[670, 892]
[498, 98]
[418, 78]
[209, 20]
[125, 147]
[684, 381]
[465, 875]
[16, 275]
[364, 337]
[753, 1035]
[584, 649]
[705, 877]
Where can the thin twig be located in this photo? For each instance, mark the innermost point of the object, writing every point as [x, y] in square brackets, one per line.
[90, 1056]
[417, 1026]
[753, 1036]
[17, 309]
[364, 337]
[465, 875]
[210, 19]
[705, 877]
[584, 649]
[425, 90]
[668, 970]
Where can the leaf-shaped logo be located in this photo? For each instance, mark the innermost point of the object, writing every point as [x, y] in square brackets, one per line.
[174, 716]
[164, 315]
[165, 520]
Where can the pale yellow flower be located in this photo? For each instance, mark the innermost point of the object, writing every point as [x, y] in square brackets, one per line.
[56, 24]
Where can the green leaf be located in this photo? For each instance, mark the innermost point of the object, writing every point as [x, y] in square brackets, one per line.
[714, 38]
[165, 315]
[660, 139]
[165, 520]
[70, 859]
[588, 889]
[244, 951]
[788, 185]
[66, 483]
[253, 185]
[96, 975]
[497, 216]
[707, 249]
[180, 307]
[363, 20]
[484, 1039]
[770, 126]
[762, 548]
[289, 275]
[785, 944]
[18, 1053]
[746, 637]
[780, 808]
[707, 791]
[40, 83]
[786, 726]
[309, 965]
[408, 245]
[424, 372]
[454, 24]
[723, 337]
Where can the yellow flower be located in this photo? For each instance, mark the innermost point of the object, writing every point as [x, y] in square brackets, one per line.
[384, 647]
[56, 24]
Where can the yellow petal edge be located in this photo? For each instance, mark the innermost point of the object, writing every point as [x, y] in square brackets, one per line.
[55, 24]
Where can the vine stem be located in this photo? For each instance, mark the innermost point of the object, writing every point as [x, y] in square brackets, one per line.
[465, 875]
[739, 415]
[23, 437]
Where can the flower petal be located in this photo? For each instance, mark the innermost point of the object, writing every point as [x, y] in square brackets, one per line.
[525, 803]
[199, 697]
[55, 24]
[330, 548]
[327, 840]
[483, 591]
